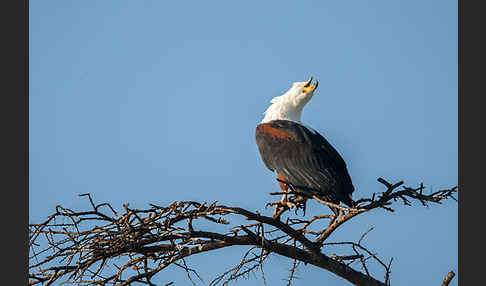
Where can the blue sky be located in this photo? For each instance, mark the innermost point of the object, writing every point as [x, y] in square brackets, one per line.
[156, 101]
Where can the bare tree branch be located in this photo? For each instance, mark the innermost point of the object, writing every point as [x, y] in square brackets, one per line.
[81, 246]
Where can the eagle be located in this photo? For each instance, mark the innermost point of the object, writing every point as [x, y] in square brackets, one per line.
[301, 157]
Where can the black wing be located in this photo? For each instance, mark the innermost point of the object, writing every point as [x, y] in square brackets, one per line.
[305, 158]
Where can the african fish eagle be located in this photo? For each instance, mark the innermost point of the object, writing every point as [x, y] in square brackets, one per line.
[300, 155]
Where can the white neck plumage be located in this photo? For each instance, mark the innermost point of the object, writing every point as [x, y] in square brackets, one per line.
[289, 105]
[282, 111]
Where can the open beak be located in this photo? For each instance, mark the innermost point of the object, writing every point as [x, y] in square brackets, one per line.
[307, 83]
[308, 87]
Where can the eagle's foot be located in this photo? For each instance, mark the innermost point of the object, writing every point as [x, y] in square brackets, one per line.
[281, 206]
[286, 203]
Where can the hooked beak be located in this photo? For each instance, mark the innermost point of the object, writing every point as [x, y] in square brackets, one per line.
[309, 88]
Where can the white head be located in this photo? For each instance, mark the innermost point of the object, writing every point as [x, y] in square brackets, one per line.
[289, 105]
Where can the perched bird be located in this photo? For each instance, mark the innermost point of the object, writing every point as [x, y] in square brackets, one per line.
[301, 157]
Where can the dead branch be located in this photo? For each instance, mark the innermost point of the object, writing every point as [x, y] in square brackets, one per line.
[81, 247]
[448, 278]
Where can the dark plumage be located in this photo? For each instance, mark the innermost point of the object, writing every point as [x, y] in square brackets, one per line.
[305, 159]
